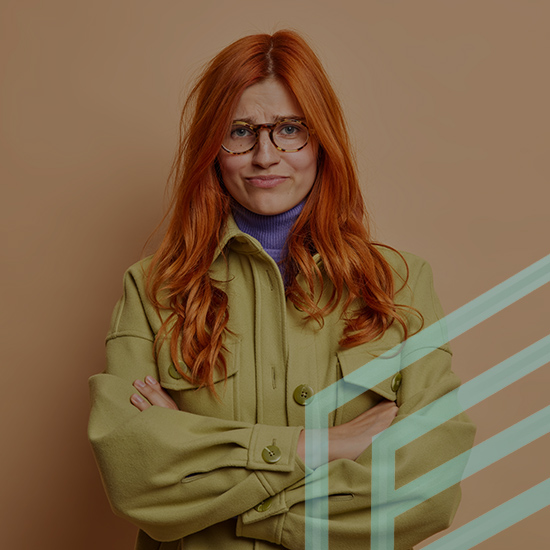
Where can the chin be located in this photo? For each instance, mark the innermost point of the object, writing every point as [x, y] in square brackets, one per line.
[271, 207]
[268, 210]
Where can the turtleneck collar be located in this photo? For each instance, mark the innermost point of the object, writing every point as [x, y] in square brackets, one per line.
[270, 231]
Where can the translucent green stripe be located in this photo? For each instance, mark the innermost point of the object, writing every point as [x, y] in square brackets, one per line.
[378, 370]
[500, 445]
[496, 520]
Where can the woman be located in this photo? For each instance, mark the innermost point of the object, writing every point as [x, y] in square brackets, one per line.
[266, 289]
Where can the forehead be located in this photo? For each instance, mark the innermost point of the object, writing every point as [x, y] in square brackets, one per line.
[266, 101]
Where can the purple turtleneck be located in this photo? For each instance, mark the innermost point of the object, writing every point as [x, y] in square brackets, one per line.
[270, 231]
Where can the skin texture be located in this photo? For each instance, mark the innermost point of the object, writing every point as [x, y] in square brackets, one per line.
[348, 440]
[151, 390]
[247, 177]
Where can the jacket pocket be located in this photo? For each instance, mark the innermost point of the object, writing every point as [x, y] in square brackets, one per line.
[369, 374]
[190, 398]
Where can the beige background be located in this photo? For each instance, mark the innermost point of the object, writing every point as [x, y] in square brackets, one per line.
[448, 106]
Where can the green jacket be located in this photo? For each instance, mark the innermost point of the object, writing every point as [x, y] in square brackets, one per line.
[195, 478]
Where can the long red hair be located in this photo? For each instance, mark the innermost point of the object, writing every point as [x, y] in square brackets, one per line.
[333, 221]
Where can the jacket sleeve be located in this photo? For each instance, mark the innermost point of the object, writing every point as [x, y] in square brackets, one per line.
[350, 488]
[173, 473]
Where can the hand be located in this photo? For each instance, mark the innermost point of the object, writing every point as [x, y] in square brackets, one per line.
[153, 393]
[349, 440]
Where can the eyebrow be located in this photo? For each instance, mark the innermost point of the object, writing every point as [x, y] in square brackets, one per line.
[249, 120]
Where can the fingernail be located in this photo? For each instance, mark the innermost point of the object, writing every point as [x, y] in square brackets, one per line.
[139, 384]
[150, 380]
[136, 398]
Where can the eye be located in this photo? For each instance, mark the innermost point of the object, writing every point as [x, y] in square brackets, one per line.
[240, 132]
[289, 130]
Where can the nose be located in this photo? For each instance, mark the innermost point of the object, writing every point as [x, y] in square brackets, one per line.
[265, 154]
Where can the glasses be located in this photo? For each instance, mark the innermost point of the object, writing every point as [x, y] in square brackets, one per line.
[288, 136]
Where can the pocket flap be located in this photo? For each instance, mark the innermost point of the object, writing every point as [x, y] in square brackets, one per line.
[385, 361]
[171, 379]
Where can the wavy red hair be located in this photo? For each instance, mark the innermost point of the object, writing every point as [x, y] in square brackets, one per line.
[333, 221]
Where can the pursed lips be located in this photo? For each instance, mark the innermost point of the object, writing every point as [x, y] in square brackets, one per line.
[266, 182]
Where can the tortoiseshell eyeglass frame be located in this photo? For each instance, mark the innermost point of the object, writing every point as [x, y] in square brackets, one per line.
[270, 126]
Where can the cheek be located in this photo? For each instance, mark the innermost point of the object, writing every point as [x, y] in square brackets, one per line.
[230, 166]
[307, 165]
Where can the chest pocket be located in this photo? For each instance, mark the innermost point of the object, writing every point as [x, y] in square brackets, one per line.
[201, 401]
[359, 368]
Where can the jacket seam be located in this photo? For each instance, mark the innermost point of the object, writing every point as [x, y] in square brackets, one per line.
[126, 334]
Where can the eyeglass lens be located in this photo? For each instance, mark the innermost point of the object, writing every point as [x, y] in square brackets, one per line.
[286, 135]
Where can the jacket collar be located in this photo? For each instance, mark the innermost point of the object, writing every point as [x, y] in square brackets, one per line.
[235, 238]
[243, 242]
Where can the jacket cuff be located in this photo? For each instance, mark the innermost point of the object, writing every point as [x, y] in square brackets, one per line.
[269, 529]
[271, 506]
[273, 448]
[272, 455]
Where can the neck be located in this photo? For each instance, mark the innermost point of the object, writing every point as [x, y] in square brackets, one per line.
[270, 231]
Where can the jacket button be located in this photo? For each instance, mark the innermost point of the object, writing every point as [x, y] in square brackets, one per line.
[173, 372]
[264, 505]
[302, 393]
[271, 454]
[396, 382]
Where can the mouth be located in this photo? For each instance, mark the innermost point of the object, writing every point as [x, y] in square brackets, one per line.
[266, 182]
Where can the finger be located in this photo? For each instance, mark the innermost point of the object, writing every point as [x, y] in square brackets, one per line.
[385, 409]
[139, 402]
[153, 392]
